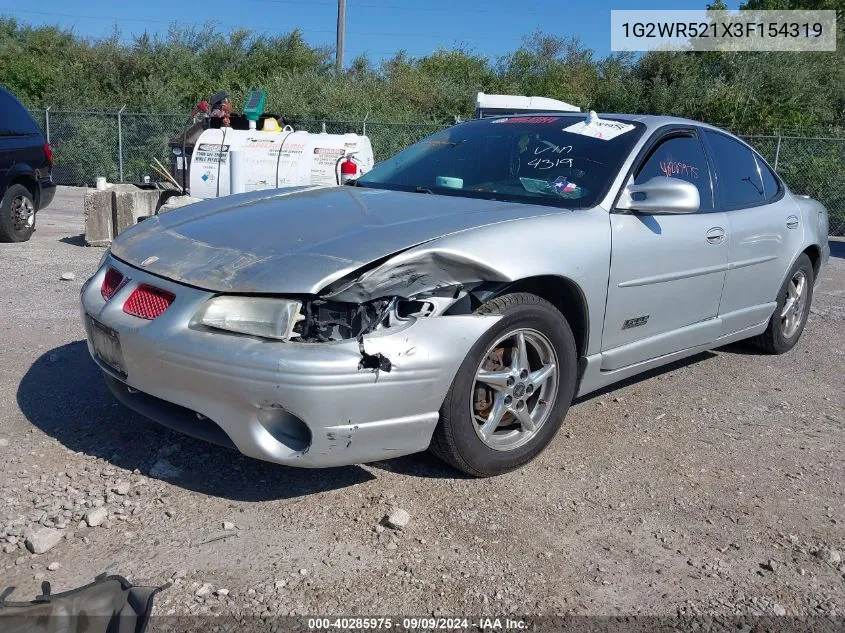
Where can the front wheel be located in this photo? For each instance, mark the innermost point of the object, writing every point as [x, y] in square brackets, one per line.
[512, 391]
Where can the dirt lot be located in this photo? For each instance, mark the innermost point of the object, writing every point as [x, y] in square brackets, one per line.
[716, 485]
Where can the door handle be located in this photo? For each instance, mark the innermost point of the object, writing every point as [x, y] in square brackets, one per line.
[792, 222]
[716, 235]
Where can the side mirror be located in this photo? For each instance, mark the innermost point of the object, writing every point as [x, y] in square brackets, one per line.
[661, 195]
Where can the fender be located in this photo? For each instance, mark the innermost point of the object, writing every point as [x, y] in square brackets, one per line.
[573, 246]
[22, 173]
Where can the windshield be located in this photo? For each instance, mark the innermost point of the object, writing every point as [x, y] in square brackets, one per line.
[524, 159]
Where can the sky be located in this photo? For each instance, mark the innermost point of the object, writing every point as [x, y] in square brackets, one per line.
[376, 27]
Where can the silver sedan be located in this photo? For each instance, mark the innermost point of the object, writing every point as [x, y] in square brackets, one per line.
[459, 295]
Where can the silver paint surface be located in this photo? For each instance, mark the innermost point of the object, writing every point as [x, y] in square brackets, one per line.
[299, 241]
[704, 279]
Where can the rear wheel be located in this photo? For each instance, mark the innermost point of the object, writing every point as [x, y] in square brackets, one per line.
[512, 391]
[17, 215]
[793, 306]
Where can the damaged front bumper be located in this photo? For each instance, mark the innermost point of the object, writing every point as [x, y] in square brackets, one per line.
[302, 404]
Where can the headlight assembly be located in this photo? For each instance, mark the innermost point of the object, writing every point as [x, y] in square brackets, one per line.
[257, 316]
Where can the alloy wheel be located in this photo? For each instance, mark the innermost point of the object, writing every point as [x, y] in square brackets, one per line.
[514, 389]
[23, 213]
[793, 308]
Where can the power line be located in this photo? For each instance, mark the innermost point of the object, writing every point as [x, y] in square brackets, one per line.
[396, 7]
[230, 26]
[450, 10]
[149, 20]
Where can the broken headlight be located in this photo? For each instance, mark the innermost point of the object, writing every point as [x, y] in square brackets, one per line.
[258, 316]
[336, 321]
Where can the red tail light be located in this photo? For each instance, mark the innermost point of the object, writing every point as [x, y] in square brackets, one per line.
[148, 302]
[48, 153]
[111, 283]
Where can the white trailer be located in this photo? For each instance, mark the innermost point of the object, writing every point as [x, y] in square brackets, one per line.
[497, 105]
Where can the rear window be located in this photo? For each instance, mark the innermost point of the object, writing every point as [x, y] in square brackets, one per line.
[738, 178]
[525, 158]
[14, 119]
[771, 187]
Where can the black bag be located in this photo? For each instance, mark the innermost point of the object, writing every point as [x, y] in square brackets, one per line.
[110, 604]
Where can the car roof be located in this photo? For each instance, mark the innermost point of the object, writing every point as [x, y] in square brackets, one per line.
[651, 121]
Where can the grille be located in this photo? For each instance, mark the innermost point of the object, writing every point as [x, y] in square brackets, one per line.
[111, 283]
[148, 302]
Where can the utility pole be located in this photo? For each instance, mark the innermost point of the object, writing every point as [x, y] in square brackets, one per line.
[341, 27]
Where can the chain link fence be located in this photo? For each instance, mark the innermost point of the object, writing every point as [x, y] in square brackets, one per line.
[120, 145]
[814, 166]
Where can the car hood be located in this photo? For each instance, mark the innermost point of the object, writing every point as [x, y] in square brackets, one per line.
[298, 240]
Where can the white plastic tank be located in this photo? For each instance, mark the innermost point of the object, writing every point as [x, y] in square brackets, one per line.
[267, 160]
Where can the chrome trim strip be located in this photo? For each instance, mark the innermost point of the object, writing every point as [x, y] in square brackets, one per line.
[696, 272]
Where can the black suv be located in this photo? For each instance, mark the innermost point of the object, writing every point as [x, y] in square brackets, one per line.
[26, 163]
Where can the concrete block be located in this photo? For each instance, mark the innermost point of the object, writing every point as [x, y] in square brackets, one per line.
[177, 202]
[98, 217]
[132, 204]
[110, 211]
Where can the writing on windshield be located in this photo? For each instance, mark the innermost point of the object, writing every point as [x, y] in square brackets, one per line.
[526, 158]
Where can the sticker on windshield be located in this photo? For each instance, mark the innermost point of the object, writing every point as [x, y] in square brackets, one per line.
[537, 120]
[562, 185]
[595, 127]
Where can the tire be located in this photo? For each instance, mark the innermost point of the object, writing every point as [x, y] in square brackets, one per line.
[779, 337]
[17, 202]
[512, 443]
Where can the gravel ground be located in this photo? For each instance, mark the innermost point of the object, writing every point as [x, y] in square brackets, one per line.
[715, 485]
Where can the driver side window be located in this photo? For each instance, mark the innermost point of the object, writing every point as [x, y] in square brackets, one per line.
[680, 157]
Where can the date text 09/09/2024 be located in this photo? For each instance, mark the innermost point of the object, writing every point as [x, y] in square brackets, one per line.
[418, 623]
